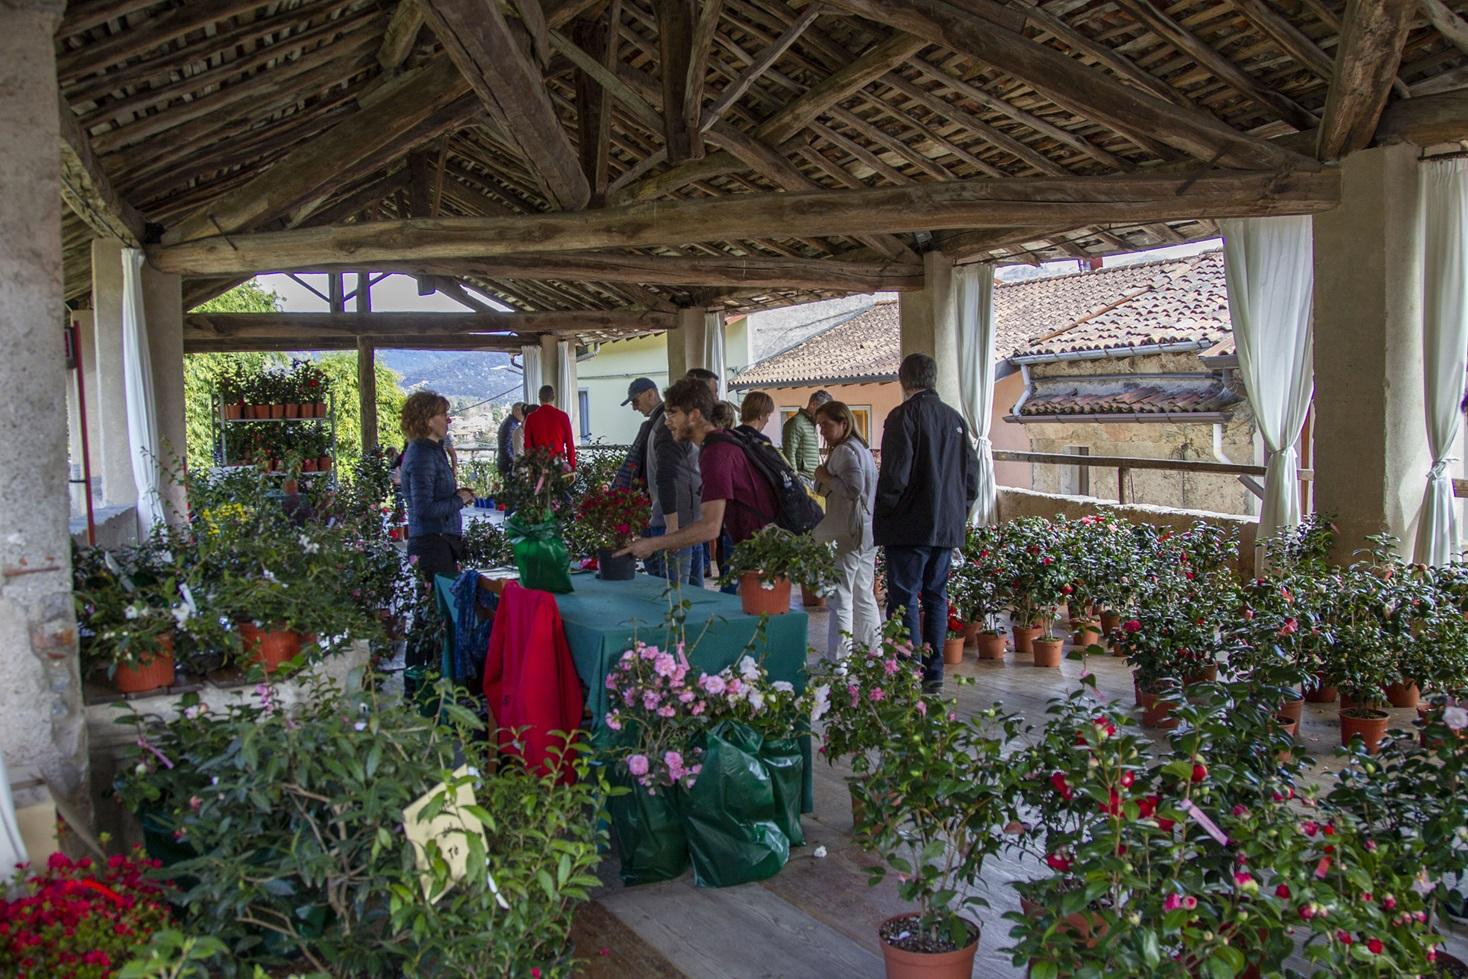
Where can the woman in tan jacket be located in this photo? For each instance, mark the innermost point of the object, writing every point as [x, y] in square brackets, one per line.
[848, 478]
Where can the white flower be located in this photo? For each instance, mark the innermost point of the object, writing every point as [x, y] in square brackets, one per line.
[767, 586]
[308, 545]
[1423, 885]
[1455, 718]
[755, 698]
[181, 614]
[820, 702]
[819, 853]
[783, 686]
[134, 611]
[268, 575]
[748, 668]
[360, 726]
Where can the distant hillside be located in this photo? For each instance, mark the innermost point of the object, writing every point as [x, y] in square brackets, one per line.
[456, 374]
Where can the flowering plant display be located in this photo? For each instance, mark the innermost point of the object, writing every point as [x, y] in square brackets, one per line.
[774, 553]
[1037, 578]
[77, 920]
[1173, 634]
[486, 546]
[129, 599]
[865, 699]
[539, 485]
[611, 518]
[974, 587]
[1101, 552]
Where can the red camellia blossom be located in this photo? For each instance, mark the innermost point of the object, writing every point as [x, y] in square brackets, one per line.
[1282, 892]
[1375, 945]
[1345, 937]
[1200, 771]
[1127, 778]
[1059, 862]
[1058, 781]
[1132, 625]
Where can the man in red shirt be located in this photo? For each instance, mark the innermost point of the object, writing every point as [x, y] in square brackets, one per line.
[736, 497]
[550, 427]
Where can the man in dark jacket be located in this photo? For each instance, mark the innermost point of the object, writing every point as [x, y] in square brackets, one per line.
[926, 488]
[505, 439]
[669, 469]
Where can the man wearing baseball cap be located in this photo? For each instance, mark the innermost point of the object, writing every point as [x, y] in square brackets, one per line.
[669, 471]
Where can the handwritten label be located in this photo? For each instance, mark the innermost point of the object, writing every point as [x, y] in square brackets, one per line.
[1201, 818]
[448, 828]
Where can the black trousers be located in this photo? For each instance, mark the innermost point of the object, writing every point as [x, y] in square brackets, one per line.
[436, 554]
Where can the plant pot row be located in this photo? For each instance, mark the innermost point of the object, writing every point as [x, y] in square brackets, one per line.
[318, 464]
[156, 671]
[242, 411]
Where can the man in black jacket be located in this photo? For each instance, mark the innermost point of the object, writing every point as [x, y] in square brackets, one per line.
[927, 486]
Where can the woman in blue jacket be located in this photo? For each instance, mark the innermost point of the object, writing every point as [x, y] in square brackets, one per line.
[435, 531]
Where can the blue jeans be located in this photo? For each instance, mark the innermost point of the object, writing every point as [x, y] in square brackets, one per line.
[670, 564]
[917, 589]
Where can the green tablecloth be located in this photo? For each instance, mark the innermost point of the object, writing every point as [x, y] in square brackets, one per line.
[602, 619]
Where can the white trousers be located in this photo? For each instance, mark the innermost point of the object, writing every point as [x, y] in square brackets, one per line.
[853, 607]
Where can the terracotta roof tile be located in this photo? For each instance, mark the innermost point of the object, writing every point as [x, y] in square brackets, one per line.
[1106, 396]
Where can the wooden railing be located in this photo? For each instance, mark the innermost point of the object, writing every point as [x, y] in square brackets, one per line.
[1124, 464]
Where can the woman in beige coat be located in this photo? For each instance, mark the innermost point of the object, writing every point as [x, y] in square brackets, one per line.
[848, 478]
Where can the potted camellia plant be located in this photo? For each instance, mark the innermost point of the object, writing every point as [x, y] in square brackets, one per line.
[980, 590]
[612, 518]
[954, 642]
[764, 566]
[1035, 577]
[129, 604]
[937, 801]
[539, 486]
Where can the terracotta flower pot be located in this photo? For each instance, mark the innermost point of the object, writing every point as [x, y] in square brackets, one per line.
[902, 964]
[1156, 712]
[152, 672]
[1402, 694]
[321, 409]
[293, 409]
[1293, 708]
[991, 645]
[259, 411]
[1087, 632]
[1046, 651]
[1321, 692]
[277, 410]
[953, 650]
[232, 412]
[1365, 722]
[308, 465]
[811, 599]
[971, 632]
[1110, 621]
[1023, 636]
[1289, 725]
[306, 409]
[1207, 674]
[269, 648]
[323, 464]
[759, 600]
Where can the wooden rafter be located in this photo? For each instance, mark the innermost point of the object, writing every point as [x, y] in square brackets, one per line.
[979, 203]
[401, 34]
[1448, 24]
[761, 64]
[1066, 81]
[1372, 38]
[681, 132]
[322, 165]
[88, 191]
[593, 101]
[479, 40]
[1290, 39]
[700, 47]
[268, 326]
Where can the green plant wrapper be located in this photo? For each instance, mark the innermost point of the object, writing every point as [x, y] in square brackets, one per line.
[730, 815]
[649, 834]
[785, 765]
[540, 554]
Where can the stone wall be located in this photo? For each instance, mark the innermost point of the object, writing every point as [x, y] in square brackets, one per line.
[1147, 440]
[1015, 503]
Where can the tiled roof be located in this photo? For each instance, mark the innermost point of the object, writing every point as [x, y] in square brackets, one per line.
[1111, 308]
[1122, 396]
[1173, 301]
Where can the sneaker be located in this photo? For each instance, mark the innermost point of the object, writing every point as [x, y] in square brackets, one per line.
[933, 686]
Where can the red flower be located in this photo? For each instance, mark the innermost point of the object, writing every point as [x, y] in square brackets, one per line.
[1127, 778]
[1344, 937]
[1200, 771]
[1375, 945]
[1058, 781]
[1132, 625]
[1059, 862]
[1282, 892]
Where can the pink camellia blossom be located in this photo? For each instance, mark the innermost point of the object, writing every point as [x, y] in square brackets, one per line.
[648, 653]
[877, 693]
[637, 765]
[712, 683]
[651, 701]
[666, 710]
[674, 761]
[686, 696]
[1456, 718]
[734, 686]
[614, 722]
[889, 666]
[697, 708]
[1172, 902]
[854, 692]
[922, 708]
[664, 664]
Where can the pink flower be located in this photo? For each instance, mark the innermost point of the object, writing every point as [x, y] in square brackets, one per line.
[1172, 902]
[637, 765]
[922, 708]
[854, 692]
[674, 761]
[713, 684]
[666, 711]
[877, 694]
[889, 666]
[651, 701]
[686, 697]
[614, 722]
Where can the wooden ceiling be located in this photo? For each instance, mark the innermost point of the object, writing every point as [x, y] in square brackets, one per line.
[224, 122]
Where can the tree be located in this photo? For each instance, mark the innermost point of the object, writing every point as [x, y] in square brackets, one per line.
[202, 373]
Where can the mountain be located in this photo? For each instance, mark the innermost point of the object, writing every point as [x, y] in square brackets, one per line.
[476, 374]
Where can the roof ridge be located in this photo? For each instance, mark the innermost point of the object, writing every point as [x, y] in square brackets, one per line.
[1108, 269]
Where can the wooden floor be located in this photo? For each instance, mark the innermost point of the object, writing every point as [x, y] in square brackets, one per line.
[818, 917]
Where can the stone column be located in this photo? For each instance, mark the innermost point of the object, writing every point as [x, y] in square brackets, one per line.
[693, 326]
[163, 315]
[1371, 454]
[42, 730]
[929, 322]
[112, 449]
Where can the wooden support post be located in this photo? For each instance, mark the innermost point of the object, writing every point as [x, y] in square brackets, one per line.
[335, 291]
[1121, 484]
[367, 392]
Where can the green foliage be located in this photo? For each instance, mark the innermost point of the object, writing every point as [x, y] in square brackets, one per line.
[295, 816]
[774, 553]
[486, 546]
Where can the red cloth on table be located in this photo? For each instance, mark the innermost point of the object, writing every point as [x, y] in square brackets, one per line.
[550, 427]
[530, 680]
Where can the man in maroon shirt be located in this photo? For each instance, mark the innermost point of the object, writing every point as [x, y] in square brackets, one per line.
[735, 496]
[550, 427]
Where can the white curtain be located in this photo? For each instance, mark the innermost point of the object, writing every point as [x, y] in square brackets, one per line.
[137, 377]
[12, 845]
[976, 376]
[1444, 348]
[566, 383]
[1269, 264]
[713, 350]
[530, 373]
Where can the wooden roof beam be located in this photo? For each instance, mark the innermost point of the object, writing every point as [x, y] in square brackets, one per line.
[762, 63]
[676, 60]
[469, 341]
[1066, 81]
[1373, 37]
[88, 192]
[401, 34]
[332, 159]
[479, 40]
[267, 326]
[977, 203]
[699, 51]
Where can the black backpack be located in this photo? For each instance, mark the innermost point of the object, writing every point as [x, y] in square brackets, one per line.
[795, 511]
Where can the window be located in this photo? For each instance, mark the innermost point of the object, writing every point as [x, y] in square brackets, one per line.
[583, 412]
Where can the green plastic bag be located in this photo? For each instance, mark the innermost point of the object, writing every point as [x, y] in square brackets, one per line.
[540, 554]
[649, 834]
[730, 815]
[785, 764]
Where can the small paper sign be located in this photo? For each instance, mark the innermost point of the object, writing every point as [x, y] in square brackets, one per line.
[447, 828]
[1201, 818]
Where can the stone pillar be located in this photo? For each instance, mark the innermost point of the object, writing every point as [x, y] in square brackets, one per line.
[112, 448]
[929, 321]
[42, 730]
[693, 327]
[1371, 455]
[163, 316]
